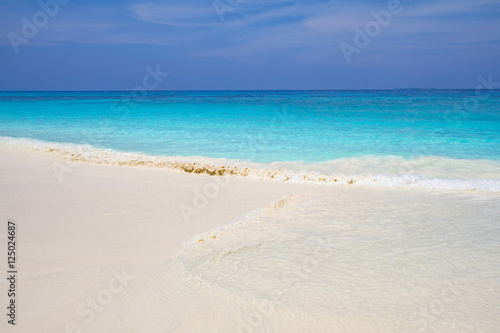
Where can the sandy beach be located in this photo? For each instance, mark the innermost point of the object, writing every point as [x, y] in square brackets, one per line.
[93, 220]
[116, 215]
[108, 249]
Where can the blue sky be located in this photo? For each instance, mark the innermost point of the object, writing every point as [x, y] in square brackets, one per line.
[248, 44]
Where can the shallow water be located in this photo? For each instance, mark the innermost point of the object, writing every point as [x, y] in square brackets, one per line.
[343, 259]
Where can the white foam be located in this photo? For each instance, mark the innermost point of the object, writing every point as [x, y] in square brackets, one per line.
[428, 172]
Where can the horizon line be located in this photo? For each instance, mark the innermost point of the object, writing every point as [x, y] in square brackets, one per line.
[195, 90]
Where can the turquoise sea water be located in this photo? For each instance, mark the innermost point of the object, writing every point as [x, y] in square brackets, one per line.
[306, 130]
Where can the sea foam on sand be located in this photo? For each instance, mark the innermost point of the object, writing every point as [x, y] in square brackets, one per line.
[428, 172]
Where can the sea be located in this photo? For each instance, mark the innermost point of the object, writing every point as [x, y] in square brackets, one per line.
[399, 233]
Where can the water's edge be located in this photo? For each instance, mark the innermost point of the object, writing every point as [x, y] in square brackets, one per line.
[398, 172]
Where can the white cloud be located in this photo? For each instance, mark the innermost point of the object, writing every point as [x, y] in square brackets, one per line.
[174, 15]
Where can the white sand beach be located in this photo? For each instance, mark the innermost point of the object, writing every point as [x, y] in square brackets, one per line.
[103, 215]
[100, 249]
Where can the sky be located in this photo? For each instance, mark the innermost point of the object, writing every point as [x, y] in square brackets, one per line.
[247, 44]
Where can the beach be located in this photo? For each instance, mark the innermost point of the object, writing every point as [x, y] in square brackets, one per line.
[98, 205]
[97, 217]
[250, 211]
[106, 248]
[250, 166]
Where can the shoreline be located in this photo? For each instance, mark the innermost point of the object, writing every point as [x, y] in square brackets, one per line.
[425, 172]
[96, 199]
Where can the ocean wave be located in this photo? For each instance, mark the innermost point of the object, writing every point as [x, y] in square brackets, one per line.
[427, 172]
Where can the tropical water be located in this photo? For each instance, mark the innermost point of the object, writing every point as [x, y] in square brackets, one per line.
[426, 138]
